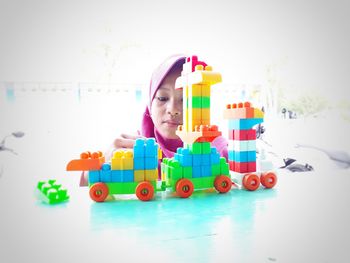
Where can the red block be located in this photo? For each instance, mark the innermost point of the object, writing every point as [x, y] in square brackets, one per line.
[251, 167]
[242, 135]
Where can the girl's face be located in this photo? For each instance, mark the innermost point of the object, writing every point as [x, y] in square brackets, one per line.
[166, 109]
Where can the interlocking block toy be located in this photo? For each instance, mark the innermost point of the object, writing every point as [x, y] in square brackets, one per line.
[151, 175]
[122, 160]
[52, 193]
[88, 161]
[139, 175]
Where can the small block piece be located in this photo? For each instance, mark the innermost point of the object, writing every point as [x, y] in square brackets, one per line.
[215, 169]
[87, 162]
[196, 148]
[151, 148]
[206, 171]
[94, 177]
[139, 163]
[196, 171]
[116, 176]
[127, 176]
[224, 166]
[206, 148]
[151, 163]
[151, 175]
[196, 159]
[52, 193]
[139, 148]
[205, 159]
[139, 175]
[187, 172]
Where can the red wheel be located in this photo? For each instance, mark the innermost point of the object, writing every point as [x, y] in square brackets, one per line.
[251, 182]
[269, 179]
[144, 191]
[184, 188]
[99, 192]
[222, 184]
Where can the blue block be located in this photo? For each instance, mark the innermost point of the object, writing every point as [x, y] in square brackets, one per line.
[177, 157]
[186, 157]
[205, 170]
[213, 150]
[151, 163]
[242, 156]
[139, 148]
[187, 160]
[205, 159]
[139, 163]
[252, 156]
[116, 176]
[231, 155]
[151, 149]
[94, 177]
[105, 173]
[196, 171]
[196, 159]
[243, 124]
[214, 158]
[128, 175]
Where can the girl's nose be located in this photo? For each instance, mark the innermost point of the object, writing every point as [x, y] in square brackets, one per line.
[174, 109]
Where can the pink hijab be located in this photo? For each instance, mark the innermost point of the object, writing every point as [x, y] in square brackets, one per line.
[169, 146]
[148, 129]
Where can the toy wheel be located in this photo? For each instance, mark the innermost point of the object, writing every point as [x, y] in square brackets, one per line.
[144, 191]
[222, 184]
[269, 179]
[99, 192]
[184, 188]
[251, 182]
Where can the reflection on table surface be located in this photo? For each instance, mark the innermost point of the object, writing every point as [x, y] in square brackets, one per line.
[304, 219]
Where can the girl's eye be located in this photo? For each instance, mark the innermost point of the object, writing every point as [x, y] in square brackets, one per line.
[162, 98]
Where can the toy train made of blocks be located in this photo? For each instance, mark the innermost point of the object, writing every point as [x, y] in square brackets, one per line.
[136, 172]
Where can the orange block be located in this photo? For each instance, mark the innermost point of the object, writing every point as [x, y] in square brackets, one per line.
[87, 162]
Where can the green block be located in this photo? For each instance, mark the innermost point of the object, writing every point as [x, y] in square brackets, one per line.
[52, 193]
[196, 102]
[175, 170]
[122, 188]
[196, 148]
[206, 102]
[206, 148]
[208, 182]
[197, 183]
[215, 170]
[224, 166]
[187, 172]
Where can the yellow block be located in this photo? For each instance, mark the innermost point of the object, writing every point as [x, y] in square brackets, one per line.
[116, 162]
[195, 91]
[139, 175]
[258, 113]
[205, 113]
[151, 175]
[122, 160]
[205, 90]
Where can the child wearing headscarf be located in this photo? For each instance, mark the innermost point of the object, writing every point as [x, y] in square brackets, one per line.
[163, 113]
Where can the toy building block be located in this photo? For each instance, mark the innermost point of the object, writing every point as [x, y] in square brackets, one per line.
[52, 193]
[87, 162]
[122, 160]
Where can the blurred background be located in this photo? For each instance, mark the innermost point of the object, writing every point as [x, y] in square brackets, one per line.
[75, 74]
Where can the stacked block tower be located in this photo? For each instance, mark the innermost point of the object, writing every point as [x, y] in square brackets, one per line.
[242, 146]
[197, 165]
[125, 172]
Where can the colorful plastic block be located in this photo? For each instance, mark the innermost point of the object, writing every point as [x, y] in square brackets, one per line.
[52, 193]
[87, 162]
